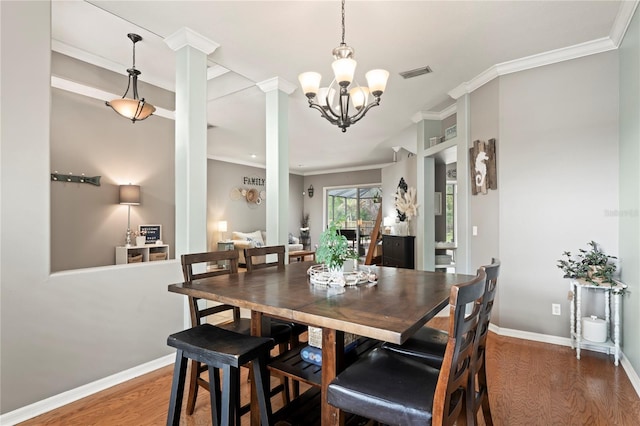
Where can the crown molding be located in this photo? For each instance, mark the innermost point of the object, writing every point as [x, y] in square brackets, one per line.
[98, 61]
[276, 83]
[185, 36]
[622, 21]
[101, 95]
[433, 115]
[604, 44]
[347, 169]
[528, 62]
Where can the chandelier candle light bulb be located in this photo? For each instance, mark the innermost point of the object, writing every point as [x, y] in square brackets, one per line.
[344, 67]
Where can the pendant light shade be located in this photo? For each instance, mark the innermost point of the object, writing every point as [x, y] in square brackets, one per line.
[134, 109]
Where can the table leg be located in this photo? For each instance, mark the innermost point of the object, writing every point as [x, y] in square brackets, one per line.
[332, 364]
[256, 330]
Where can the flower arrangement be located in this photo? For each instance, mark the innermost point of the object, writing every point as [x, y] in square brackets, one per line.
[592, 265]
[405, 201]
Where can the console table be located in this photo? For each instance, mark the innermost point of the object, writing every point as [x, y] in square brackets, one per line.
[612, 344]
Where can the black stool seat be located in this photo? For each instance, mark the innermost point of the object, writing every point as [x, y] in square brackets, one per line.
[220, 349]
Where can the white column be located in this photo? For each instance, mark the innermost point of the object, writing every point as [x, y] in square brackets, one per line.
[191, 139]
[277, 158]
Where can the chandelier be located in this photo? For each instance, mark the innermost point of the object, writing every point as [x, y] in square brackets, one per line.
[324, 98]
[133, 109]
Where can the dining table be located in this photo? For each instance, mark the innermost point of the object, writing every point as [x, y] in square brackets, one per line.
[390, 307]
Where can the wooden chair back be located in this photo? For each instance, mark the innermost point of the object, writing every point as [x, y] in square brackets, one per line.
[478, 395]
[450, 394]
[205, 260]
[251, 253]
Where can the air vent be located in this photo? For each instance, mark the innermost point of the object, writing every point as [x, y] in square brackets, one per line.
[416, 72]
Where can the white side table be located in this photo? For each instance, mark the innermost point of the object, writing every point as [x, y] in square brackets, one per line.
[612, 344]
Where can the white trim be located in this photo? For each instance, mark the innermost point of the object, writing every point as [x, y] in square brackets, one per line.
[528, 62]
[185, 36]
[347, 169]
[623, 19]
[101, 62]
[565, 341]
[64, 398]
[433, 115]
[92, 92]
[276, 83]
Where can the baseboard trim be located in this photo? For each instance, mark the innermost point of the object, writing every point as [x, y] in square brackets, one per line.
[57, 401]
[565, 341]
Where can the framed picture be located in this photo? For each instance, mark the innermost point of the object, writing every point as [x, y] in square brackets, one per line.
[451, 132]
[152, 233]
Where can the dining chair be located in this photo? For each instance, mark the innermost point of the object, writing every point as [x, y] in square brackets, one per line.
[204, 265]
[429, 345]
[392, 388]
[251, 255]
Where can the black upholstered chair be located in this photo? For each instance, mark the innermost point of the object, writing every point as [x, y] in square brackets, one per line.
[392, 388]
[198, 266]
[225, 350]
[429, 345]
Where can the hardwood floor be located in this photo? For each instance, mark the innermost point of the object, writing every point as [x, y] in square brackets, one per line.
[530, 383]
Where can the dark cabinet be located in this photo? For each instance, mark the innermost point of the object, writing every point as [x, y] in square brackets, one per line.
[398, 251]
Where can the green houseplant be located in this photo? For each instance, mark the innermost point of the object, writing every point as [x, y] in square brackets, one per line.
[592, 265]
[333, 248]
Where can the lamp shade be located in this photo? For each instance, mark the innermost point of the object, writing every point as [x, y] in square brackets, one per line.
[222, 226]
[133, 109]
[130, 195]
[377, 81]
[344, 69]
[310, 82]
[359, 96]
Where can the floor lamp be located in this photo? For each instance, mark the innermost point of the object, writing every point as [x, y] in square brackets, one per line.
[129, 196]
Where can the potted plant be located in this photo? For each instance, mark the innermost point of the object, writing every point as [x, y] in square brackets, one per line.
[591, 265]
[333, 249]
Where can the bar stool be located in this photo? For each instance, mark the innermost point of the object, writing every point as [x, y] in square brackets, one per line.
[224, 350]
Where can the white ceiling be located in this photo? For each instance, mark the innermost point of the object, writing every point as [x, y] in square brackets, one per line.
[260, 40]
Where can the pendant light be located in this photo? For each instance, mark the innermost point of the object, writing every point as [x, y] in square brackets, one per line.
[135, 109]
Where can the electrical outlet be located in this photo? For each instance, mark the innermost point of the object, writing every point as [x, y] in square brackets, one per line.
[555, 309]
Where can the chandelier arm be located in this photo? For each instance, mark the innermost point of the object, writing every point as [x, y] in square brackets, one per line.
[323, 112]
[363, 111]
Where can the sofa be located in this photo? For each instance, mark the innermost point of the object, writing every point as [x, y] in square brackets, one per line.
[243, 240]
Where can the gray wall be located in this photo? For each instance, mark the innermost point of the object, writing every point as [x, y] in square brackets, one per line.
[222, 177]
[557, 174]
[65, 330]
[313, 206]
[484, 208]
[630, 188]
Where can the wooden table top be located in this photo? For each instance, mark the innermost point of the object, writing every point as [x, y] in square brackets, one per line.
[401, 302]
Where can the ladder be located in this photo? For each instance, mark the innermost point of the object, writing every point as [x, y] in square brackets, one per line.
[376, 236]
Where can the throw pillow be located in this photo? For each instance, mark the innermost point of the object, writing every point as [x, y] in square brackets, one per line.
[291, 238]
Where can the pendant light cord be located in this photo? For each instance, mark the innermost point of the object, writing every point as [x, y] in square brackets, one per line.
[343, 22]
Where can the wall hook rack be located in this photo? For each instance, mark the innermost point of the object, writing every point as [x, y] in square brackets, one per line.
[59, 177]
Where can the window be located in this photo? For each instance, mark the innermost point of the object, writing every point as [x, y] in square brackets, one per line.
[450, 211]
